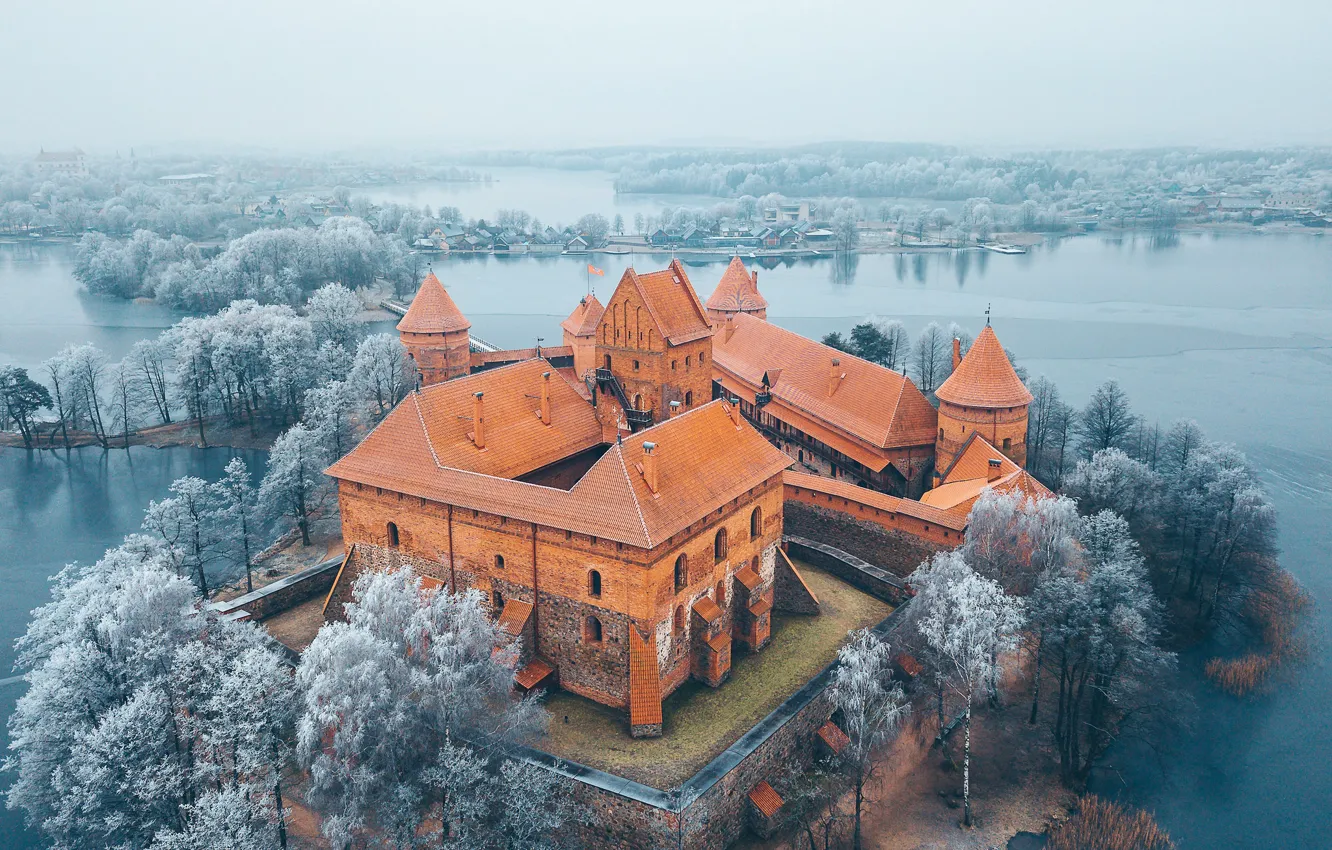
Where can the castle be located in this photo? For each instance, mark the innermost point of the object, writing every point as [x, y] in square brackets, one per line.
[619, 499]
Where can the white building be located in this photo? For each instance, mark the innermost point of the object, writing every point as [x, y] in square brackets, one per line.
[70, 162]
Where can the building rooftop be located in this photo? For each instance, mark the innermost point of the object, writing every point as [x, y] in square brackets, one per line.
[432, 311]
[984, 378]
[970, 476]
[671, 302]
[871, 403]
[737, 291]
[423, 448]
[586, 316]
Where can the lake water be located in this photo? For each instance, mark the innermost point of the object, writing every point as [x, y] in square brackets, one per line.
[1235, 332]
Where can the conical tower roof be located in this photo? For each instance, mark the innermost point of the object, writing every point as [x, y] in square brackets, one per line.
[432, 311]
[585, 317]
[984, 378]
[737, 291]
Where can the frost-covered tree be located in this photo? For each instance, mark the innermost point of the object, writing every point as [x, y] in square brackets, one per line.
[382, 373]
[62, 379]
[896, 345]
[968, 623]
[125, 401]
[122, 737]
[328, 412]
[146, 362]
[238, 517]
[295, 487]
[1111, 480]
[873, 707]
[87, 365]
[410, 672]
[187, 522]
[333, 310]
[846, 230]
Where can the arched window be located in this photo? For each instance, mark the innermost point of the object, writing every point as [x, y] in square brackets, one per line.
[594, 583]
[941, 433]
[719, 545]
[606, 362]
[592, 630]
[689, 398]
[635, 365]
[499, 562]
[679, 619]
[393, 534]
[638, 402]
[702, 357]
[498, 599]
[756, 523]
[721, 592]
[1008, 443]
[681, 573]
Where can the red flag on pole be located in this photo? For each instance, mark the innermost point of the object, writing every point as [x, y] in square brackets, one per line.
[591, 269]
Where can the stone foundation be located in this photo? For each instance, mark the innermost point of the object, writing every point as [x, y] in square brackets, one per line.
[898, 552]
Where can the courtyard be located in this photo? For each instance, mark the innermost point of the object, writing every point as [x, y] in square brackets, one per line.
[701, 722]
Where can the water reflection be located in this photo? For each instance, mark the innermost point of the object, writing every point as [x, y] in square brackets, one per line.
[842, 271]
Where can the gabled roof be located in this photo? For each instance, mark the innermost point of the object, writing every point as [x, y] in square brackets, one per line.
[984, 378]
[432, 311]
[585, 317]
[738, 290]
[671, 302]
[422, 449]
[969, 476]
[872, 403]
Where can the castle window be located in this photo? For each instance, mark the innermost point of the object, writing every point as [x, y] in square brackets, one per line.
[568, 535]
[674, 363]
[679, 620]
[702, 357]
[941, 433]
[681, 573]
[499, 562]
[721, 592]
[638, 402]
[719, 545]
[689, 398]
[756, 523]
[606, 362]
[594, 584]
[393, 534]
[635, 365]
[687, 359]
[592, 630]
[1008, 443]
[754, 565]
[498, 599]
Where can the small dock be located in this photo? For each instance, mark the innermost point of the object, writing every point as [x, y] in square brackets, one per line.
[1001, 248]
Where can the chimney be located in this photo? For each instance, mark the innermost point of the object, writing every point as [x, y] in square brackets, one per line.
[730, 327]
[753, 276]
[478, 421]
[957, 352]
[650, 466]
[835, 376]
[672, 409]
[734, 409]
[995, 466]
[545, 398]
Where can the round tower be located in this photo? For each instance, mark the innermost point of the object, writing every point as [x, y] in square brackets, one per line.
[736, 293]
[434, 332]
[983, 396]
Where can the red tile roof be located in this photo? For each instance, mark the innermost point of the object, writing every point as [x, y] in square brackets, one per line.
[644, 680]
[765, 799]
[432, 311]
[671, 302]
[761, 607]
[969, 477]
[421, 449]
[737, 291]
[707, 609]
[532, 674]
[984, 378]
[871, 404]
[746, 575]
[586, 316]
[514, 617]
[833, 736]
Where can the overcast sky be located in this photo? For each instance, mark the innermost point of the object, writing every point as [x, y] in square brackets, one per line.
[306, 75]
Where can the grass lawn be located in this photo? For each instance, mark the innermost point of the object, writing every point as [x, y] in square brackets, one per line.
[701, 722]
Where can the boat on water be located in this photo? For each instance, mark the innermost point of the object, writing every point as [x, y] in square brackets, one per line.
[1001, 248]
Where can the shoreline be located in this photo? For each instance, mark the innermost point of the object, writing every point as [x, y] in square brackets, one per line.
[181, 434]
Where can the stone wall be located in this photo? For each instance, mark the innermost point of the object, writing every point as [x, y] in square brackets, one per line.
[286, 592]
[896, 551]
[875, 581]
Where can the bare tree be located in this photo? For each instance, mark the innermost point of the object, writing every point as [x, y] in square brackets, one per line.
[930, 357]
[1107, 420]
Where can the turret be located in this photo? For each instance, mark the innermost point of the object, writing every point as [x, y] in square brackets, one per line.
[434, 332]
[983, 395]
[737, 292]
